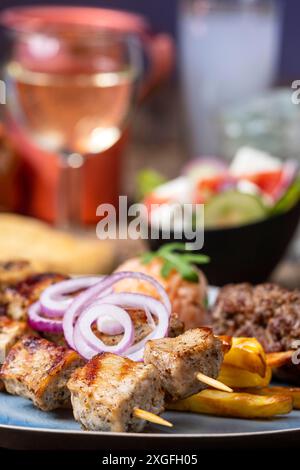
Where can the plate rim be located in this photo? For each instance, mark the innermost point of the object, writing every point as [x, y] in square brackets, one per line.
[147, 435]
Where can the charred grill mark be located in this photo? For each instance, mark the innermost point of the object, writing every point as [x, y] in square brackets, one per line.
[37, 282]
[33, 343]
[207, 331]
[30, 343]
[58, 359]
[127, 367]
[92, 369]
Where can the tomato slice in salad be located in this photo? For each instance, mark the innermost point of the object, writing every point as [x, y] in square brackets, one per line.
[206, 188]
[268, 182]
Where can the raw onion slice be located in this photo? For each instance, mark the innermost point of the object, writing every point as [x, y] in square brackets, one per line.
[88, 338]
[81, 301]
[40, 323]
[142, 301]
[155, 307]
[109, 326]
[54, 301]
[149, 317]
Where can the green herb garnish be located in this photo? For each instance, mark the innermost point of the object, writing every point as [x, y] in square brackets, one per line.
[175, 256]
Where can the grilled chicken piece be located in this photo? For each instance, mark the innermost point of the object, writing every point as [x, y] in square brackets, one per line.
[14, 271]
[15, 300]
[179, 359]
[38, 369]
[106, 390]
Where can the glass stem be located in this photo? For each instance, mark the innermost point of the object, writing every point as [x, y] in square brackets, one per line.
[69, 200]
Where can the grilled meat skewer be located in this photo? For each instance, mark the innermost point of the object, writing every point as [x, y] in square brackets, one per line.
[10, 332]
[107, 390]
[38, 369]
[180, 359]
[15, 300]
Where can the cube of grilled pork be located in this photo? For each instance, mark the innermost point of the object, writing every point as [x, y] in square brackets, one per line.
[10, 332]
[106, 390]
[38, 369]
[179, 359]
[15, 300]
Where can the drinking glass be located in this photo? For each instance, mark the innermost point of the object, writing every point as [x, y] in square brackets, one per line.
[229, 52]
[71, 88]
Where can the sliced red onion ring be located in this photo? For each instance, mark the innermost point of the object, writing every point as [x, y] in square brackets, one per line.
[99, 305]
[37, 321]
[109, 326]
[149, 317]
[86, 350]
[155, 307]
[54, 301]
[95, 345]
[80, 302]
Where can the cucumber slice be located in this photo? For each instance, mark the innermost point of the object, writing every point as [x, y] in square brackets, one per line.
[233, 208]
[289, 199]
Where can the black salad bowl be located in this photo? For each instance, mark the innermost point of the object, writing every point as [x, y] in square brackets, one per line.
[247, 253]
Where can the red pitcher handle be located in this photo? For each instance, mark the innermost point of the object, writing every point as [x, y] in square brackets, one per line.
[161, 52]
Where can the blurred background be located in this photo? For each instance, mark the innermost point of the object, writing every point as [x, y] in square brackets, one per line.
[213, 76]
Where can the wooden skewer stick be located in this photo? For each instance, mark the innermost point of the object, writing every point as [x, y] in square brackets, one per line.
[213, 382]
[143, 414]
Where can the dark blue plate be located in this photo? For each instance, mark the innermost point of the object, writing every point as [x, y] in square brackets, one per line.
[23, 426]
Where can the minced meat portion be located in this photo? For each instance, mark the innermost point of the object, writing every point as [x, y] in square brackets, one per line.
[266, 311]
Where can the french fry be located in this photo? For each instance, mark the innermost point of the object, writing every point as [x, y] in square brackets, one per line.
[236, 405]
[278, 359]
[293, 392]
[248, 354]
[235, 377]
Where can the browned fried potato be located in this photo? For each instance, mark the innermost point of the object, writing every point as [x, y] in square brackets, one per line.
[235, 377]
[293, 392]
[236, 405]
[248, 354]
[278, 359]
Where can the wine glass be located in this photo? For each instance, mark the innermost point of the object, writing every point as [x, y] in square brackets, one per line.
[71, 89]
